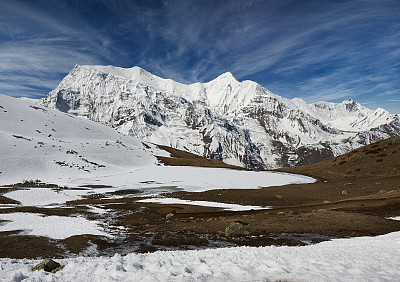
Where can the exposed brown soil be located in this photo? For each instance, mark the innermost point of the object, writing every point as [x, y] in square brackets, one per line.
[20, 246]
[5, 200]
[354, 195]
[182, 158]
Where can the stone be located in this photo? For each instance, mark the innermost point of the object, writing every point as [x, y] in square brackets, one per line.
[232, 228]
[345, 192]
[169, 215]
[48, 265]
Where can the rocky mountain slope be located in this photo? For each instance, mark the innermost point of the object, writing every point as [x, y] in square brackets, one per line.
[241, 123]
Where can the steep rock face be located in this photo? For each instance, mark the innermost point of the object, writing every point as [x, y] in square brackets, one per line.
[241, 123]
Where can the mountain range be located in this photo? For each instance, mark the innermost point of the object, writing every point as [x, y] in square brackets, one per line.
[240, 123]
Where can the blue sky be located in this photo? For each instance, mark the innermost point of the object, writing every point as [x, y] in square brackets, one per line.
[315, 50]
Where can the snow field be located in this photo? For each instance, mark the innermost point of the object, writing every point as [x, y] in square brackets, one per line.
[194, 179]
[355, 259]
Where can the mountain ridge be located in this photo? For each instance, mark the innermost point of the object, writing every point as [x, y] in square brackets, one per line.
[241, 123]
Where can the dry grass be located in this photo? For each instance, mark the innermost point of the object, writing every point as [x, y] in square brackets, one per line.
[379, 159]
[182, 158]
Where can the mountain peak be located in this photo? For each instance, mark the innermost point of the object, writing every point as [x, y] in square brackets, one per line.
[135, 72]
[226, 76]
[348, 101]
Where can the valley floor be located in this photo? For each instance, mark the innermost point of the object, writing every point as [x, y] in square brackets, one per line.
[284, 234]
[344, 227]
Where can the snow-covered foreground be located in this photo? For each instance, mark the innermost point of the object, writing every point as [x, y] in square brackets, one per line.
[356, 259]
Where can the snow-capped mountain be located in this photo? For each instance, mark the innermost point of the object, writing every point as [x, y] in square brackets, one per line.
[241, 123]
[41, 143]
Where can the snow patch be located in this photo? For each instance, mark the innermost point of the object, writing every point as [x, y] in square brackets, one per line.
[44, 196]
[229, 207]
[56, 227]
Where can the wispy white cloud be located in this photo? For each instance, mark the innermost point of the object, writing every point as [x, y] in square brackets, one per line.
[43, 47]
[334, 51]
[317, 50]
[37, 64]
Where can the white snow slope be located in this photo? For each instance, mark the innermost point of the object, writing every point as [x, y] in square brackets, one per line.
[241, 123]
[40, 143]
[357, 259]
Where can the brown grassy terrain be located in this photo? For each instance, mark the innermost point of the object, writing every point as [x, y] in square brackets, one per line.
[182, 158]
[354, 194]
[373, 171]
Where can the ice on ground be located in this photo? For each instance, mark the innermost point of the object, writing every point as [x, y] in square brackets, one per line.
[394, 218]
[229, 207]
[355, 259]
[56, 227]
[195, 179]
